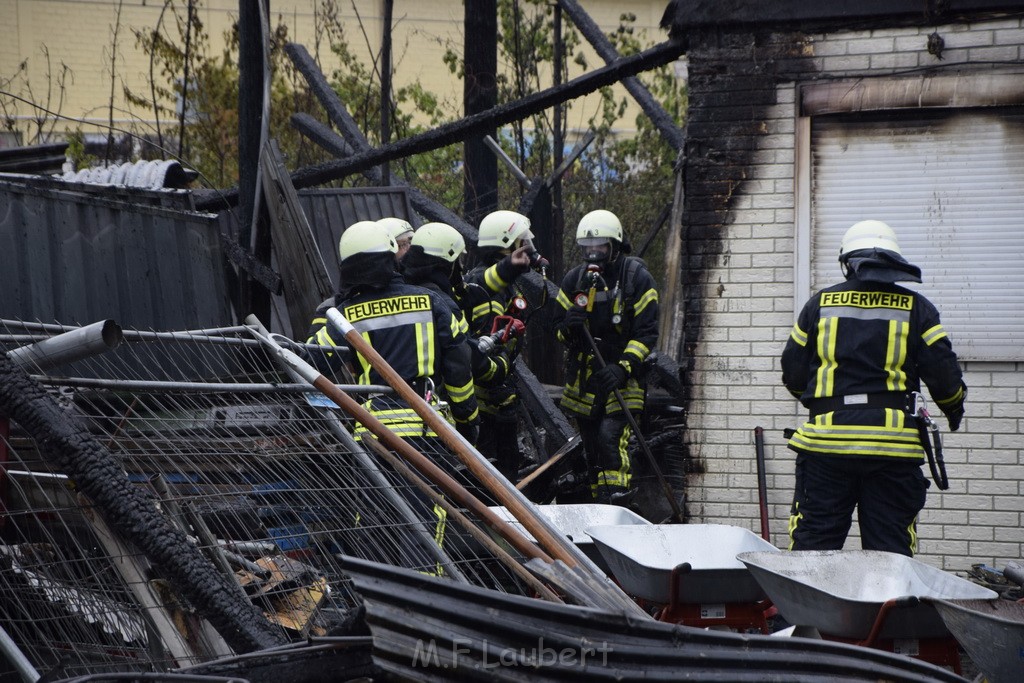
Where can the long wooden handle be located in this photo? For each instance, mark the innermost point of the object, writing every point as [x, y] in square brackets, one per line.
[495, 484]
[419, 461]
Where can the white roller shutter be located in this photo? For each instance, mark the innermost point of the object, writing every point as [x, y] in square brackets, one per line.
[952, 186]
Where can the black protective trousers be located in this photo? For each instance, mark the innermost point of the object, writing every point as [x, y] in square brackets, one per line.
[887, 493]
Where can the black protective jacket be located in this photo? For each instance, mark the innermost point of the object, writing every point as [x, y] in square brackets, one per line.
[860, 343]
[414, 330]
[623, 322]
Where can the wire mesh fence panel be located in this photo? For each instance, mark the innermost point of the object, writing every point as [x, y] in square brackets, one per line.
[260, 474]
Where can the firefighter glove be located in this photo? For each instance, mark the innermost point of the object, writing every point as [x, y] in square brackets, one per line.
[954, 417]
[575, 318]
[607, 379]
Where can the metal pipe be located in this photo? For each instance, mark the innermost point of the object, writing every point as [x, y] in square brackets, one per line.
[517, 172]
[17, 658]
[203, 387]
[68, 347]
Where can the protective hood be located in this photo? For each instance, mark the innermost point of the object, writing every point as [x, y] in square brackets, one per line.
[419, 268]
[881, 265]
[366, 271]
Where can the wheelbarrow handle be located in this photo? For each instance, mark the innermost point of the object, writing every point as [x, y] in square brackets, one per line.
[883, 614]
[1014, 572]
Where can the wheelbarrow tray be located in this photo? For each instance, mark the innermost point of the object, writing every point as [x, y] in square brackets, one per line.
[642, 559]
[573, 520]
[840, 592]
[992, 633]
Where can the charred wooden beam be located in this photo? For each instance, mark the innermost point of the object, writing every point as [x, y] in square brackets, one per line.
[335, 108]
[457, 131]
[356, 141]
[305, 279]
[480, 94]
[322, 135]
[541, 405]
[606, 51]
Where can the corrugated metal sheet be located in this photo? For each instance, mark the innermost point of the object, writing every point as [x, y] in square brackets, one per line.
[35, 159]
[330, 211]
[429, 629]
[72, 258]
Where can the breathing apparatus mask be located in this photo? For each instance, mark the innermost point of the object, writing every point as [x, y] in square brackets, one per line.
[537, 262]
[597, 251]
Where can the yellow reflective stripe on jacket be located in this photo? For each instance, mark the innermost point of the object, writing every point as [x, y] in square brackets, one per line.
[958, 396]
[636, 349]
[583, 402]
[933, 334]
[894, 439]
[797, 335]
[322, 338]
[828, 329]
[563, 300]
[649, 297]
[896, 356]
[459, 394]
[403, 422]
[481, 311]
[318, 321]
[493, 280]
[424, 350]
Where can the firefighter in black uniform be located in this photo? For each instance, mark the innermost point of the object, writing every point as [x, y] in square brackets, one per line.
[855, 359]
[503, 251]
[614, 296]
[411, 327]
[414, 330]
[434, 261]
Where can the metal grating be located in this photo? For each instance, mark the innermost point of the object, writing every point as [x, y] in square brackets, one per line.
[264, 479]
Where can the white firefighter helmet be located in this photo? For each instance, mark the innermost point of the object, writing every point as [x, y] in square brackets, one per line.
[868, 234]
[440, 240]
[365, 237]
[597, 227]
[502, 229]
[398, 227]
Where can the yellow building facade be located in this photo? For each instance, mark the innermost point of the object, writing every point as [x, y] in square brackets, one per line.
[92, 42]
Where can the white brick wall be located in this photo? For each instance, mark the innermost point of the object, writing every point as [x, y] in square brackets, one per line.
[749, 313]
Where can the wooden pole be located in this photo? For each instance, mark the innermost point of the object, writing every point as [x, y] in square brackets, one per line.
[419, 461]
[494, 482]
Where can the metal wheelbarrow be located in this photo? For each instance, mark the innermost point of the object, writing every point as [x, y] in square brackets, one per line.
[992, 633]
[862, 595]
[573, 520]
[682, 563]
